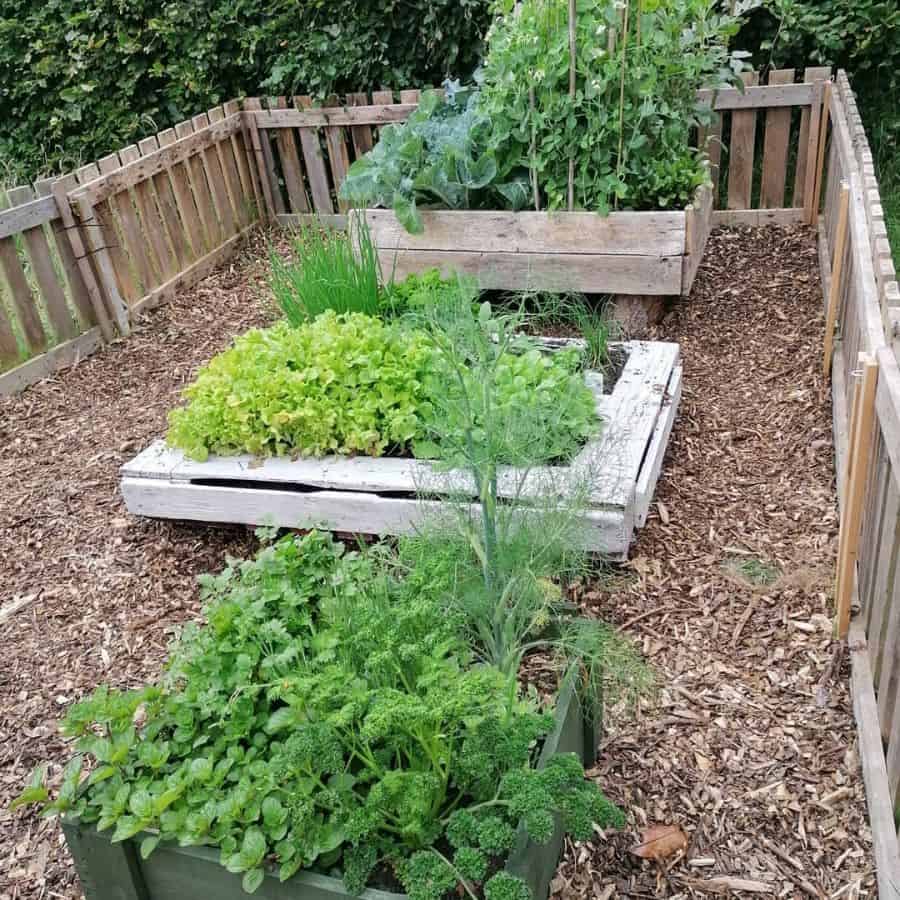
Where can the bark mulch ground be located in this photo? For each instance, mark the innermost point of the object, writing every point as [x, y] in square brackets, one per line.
[748, 745]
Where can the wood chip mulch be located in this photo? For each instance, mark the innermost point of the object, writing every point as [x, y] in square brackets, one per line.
[749, 742]
[100, 590]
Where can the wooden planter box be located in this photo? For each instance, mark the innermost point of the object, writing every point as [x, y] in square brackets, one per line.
[382, 496]
[116, 871]
[650, 253]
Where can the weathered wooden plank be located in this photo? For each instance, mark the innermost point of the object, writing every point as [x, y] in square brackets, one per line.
[187, 209]
[812, 154]
[212, 230]
[9, 346]
[835, 283]
[230, 173]
[145, 167]
[334, 116]
[265, 159]
[757, 217]
[77, 288]
[758, 97]
[27, 214]
[215, 177]
[338, 159]
[338, 221]
[881, 812]
[635, 233]
[23, 301]
[698, 224]
[291, 166]
[73, 232]
[49, 283]
[811, 75]
[62, 356]
[775, 148]
[656, 450]
[319, 187]
[360, 134]
[107, 871]
[740, 153]
[597, 273]
[883, 613]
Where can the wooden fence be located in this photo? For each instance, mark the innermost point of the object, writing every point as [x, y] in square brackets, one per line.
[98, 246]
[863, 302]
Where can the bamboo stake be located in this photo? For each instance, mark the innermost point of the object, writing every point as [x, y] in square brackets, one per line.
[532, 105]
[857, 477]
[573, 15]
[622, 99]
[820, 156]
[837, 271]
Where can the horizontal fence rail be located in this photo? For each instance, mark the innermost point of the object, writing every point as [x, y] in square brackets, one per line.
[863, 303]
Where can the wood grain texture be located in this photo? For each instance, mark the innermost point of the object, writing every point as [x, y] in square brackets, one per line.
[264, 165]
[775, 147]
[184, 198]
[246, 169]
[811, 75]
[174, 233]
[312, 117]
[291, 167]
[361, 135]
[741, 153]
[27, 214]
[225, 152]
[215, 176]
[19, 293]
[316, 173]
[633, 233]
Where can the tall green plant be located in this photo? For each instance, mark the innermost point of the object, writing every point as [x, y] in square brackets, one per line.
[327, 271]
[496, 567]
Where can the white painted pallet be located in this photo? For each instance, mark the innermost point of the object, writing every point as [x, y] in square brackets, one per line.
[618, 472]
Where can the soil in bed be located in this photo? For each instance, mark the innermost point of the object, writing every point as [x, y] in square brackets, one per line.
[749, 743]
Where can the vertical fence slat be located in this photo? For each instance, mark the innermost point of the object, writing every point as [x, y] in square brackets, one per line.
[810, 75]
[290, 165]
[741, 152]
[338, 157]
[775, 147]
[77, 288]
[315, 165]
[267, 165]
[230, 173]
[216, 180]
[361, 135]
[184, 199]
[21, 296]
[9, 346]
[41, 258]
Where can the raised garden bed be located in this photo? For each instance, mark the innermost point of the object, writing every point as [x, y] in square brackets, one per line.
[383, 496]
[645, 253]
[117, 872]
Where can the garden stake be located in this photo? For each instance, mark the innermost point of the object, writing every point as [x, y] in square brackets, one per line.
[573, 15]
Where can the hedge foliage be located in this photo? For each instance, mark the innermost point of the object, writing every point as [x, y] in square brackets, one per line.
[81, 78]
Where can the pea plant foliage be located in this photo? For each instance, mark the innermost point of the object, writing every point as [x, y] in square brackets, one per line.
[591, 112]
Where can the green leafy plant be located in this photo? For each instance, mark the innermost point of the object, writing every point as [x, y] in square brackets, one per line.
[416, 292]
[86, 77]
[325, 715]
[438, 156]
[339, 384]
[327, 271]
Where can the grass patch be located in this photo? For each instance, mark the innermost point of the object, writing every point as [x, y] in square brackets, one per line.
[755, 571]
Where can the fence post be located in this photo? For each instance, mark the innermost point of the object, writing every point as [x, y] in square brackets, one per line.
[858, 460]
[73, 229]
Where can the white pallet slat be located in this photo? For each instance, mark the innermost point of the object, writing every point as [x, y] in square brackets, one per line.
[617, 471]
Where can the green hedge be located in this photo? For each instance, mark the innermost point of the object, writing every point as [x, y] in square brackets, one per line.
[81, 78]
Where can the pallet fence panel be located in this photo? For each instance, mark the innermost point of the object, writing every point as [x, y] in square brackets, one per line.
[173, 234]
[741, 153]
[866, 303]
[245, 164]
[361, 135]
[811, 74]
[184, 200]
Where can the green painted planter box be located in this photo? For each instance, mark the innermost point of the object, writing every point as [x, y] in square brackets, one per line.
[116, 871]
